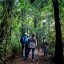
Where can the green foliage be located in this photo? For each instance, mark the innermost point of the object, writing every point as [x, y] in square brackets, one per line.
[29, 15]
[51, 51]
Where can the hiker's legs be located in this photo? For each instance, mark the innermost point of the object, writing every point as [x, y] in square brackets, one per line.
[44, 51]
[28, 50]
[33, 53]
[22, 50]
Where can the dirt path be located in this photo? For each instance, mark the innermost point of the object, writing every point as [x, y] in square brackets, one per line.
[39, 59]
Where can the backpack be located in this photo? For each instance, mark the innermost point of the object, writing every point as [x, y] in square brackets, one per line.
[24, 39]
[32, 43]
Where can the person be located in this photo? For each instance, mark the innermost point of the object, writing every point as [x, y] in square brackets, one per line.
[26, 46]
[45, 46]
[32, 45]
[24, 42]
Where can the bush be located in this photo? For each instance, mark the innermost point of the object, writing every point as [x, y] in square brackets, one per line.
[51, 51]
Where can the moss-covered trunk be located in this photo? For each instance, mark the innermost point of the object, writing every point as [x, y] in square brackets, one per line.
[5, 31]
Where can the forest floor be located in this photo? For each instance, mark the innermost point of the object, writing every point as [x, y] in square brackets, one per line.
[39, 59]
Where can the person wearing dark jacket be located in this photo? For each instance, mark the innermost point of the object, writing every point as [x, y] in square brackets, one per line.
[24, 41]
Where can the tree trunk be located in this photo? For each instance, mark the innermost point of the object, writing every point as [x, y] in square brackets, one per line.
[5, 25]
[58, 58]
[23, 19]
[35, 21]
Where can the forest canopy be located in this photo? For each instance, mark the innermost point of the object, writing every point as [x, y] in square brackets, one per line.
[20, 16]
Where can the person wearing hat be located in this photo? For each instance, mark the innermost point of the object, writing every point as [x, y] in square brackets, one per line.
[32, 45]
[23, 42]
[26, 46]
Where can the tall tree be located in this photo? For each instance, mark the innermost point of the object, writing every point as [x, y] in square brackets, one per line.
[5, 25]
[58, 58]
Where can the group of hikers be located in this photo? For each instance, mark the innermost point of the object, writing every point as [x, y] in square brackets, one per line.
[30, 43]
